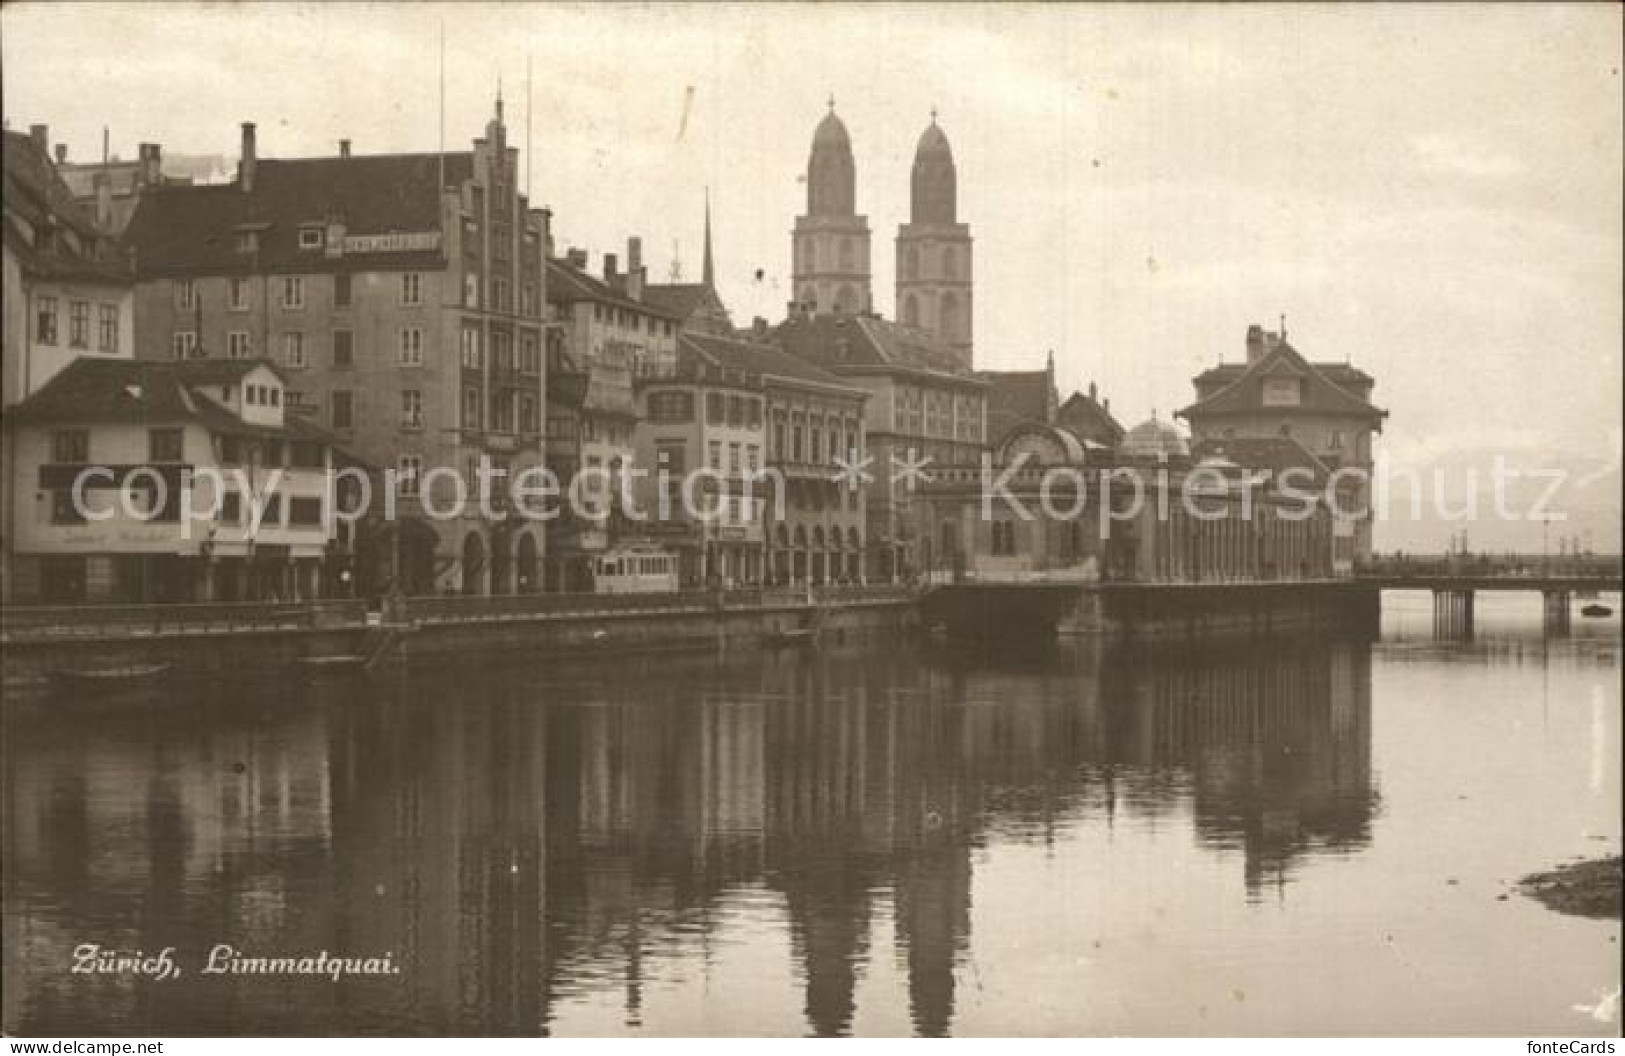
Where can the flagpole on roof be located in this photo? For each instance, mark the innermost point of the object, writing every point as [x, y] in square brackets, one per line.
[442, 151]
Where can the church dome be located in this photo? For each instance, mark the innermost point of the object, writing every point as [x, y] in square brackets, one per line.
[831, 173]
[831, 132]
[1155, 439]
[933, 185]
[933, 141]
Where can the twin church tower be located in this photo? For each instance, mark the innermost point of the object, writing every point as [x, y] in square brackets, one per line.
[830, 248]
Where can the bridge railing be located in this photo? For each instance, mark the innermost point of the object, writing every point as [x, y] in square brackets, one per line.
[19, 623]
[1601, 568]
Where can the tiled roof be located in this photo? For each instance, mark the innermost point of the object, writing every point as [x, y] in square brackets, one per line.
[92, 390]
[681, 299]
[759, 358]
[1016, 396]
[1244, 394]
[568, 285]
[1087, 418]
[1346, 375]
[1275, 454]
[193, 229]
[858, 343]
[36, 196]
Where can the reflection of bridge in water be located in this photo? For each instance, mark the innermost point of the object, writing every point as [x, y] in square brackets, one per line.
[526, 840]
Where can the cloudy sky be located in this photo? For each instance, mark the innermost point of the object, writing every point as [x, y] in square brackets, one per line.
[1431, 192]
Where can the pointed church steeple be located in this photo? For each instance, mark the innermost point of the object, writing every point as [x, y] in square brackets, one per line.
[709, 277]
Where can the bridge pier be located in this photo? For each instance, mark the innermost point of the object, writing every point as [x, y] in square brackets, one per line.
[1555, 610]
[1453, 613]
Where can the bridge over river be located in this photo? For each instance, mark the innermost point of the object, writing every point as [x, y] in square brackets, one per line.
[1026, 604]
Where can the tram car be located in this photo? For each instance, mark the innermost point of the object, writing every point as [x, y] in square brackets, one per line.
[634, 570]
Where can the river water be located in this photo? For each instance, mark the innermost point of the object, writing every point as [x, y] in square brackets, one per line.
[884, 838]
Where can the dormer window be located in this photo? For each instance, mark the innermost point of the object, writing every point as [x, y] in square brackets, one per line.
[310, 238]
[247, 242]
[1282, 392]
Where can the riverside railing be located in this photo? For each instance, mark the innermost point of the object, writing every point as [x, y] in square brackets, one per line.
[58, 622]
[19, 623]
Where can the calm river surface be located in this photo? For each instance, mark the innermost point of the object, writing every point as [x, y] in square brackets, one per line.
[872, 839]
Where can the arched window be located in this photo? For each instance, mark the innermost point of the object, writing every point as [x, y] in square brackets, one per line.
[911, 310]
[911, 261]
[950, 263]
[809, 298]
[846, 300]
[845, 257]
[948, 315]
[809, 254]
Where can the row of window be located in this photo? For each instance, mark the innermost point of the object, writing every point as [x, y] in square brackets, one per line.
[839, 443]
[47, 332]
[627, 319]
[290, 293]
[750, 462]
[302, 511]
[168, 445]
[409, 345]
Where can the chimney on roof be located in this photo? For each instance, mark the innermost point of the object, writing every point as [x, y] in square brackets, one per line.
[61, 153]
[41, 135]
[611, 268]
[1255, 342]
[150, 171]
[344, 148]
[104, 199]
[249, 160]
[634, 268]
[1092, 390]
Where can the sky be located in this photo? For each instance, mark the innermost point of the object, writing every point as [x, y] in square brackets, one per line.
[1430, 192]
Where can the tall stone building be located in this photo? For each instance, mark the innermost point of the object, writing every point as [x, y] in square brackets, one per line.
[830, 251]
[934, 250]
[403, 295]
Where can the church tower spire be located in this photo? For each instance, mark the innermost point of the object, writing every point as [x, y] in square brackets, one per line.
[709, 277]
[934, 277]
[830, 244]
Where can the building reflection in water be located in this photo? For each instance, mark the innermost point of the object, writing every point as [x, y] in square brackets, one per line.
[519, 838]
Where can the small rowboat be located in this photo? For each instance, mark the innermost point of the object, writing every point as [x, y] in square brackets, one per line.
[1596, 611]
[793, 636]
[342, 662]
[119, 686]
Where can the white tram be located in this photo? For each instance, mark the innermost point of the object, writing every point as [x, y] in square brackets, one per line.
[634, 570]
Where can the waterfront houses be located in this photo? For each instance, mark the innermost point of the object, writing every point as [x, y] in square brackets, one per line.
[922, 411]
[67, 293]
[602, 334]
[186, 481]
[700, 445]
[814, 527]
[403, 296]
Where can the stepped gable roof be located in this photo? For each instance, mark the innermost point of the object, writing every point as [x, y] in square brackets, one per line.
[759, 358]
[1244, 394]
[192, 229]
[92, 390]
